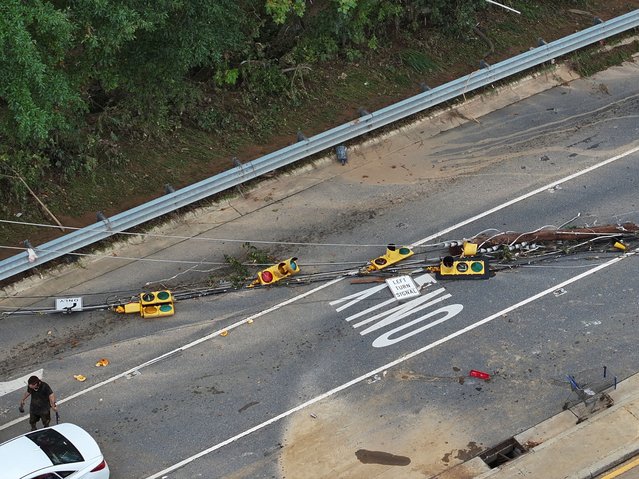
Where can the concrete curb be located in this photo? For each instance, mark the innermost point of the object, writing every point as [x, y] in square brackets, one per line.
[619, 456]
[557, 437]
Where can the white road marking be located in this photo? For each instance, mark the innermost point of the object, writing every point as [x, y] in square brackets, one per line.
[380, 369]
[150, 362]
[20, 383]
[528, 195]
[308, 293]
[403, 310]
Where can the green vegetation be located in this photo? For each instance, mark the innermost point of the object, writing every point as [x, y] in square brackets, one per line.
[239, 270]
[418, 61]
[103, 102]
[591, 61]
[78, 80]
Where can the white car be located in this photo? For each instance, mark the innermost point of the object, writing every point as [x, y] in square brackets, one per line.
[57, 452]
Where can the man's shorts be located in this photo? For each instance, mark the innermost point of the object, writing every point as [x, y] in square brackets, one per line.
[45, 417]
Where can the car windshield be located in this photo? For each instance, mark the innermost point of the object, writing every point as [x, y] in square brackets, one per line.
[56, 446]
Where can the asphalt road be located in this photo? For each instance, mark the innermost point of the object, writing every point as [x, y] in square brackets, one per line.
[336, 379]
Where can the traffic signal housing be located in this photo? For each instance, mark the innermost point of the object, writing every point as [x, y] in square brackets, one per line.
[469, 249]
[277, 272]
[156, 304]
[393, 255]
[463, 268]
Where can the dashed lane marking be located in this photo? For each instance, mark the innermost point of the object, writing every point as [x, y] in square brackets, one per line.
[19, 383]
[150, 362]
[528, 195]
[391, 364]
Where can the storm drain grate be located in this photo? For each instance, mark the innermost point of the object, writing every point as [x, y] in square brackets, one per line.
[502, 453]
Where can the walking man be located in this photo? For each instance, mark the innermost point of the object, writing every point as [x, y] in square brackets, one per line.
[42, 400]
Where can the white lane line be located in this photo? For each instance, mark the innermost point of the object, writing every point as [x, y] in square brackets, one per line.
[527, 195]
[19, 383]
[380, 369]
[182, 348]
[424, 240]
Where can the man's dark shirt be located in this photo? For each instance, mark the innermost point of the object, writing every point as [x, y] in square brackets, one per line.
[40, 399]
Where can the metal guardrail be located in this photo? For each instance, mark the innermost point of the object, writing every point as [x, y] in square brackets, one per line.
[309, 146]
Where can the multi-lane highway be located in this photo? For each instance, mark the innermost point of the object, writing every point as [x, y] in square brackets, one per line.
[336, 378]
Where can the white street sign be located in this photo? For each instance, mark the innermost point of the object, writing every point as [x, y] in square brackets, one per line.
[68, 304]
[403, 287]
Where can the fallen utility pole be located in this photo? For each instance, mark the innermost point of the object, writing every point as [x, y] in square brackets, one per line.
[544, 235]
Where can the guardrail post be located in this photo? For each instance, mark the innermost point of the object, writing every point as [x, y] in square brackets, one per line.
[301, 136]
[423, 87]
[362, 111]
[31, 254]
[168, 189]
[325, 141]
[341, 154]
[483, 64]
[104, 219]
[541, 42]
[238, 164]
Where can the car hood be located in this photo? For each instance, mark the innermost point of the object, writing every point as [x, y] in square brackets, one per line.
[31, 458]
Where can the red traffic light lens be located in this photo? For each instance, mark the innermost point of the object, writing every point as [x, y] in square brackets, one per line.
[267, 276]
[380, 261]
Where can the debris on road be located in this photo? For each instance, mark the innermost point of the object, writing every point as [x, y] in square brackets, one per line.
[153, 304]
[277, 272]
[393, 255]
[605, 232]
[478, 257]
[474, 373]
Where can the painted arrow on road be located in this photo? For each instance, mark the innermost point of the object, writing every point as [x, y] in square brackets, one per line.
[10, 386]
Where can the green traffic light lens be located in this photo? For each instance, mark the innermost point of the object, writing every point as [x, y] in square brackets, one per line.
[163, 295]
[293, 265]
[404, 251]
[477, 267]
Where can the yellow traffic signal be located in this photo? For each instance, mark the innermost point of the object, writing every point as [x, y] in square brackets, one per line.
[156, 304]
[474, 268]
[128, 308]
[277, 272]
[469, 249]
[393, 255]
[150, 305]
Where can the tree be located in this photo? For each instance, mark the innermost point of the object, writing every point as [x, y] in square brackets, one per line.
[34, 83]
[140, 53]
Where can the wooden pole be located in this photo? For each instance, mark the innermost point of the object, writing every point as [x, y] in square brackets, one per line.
[44, 207]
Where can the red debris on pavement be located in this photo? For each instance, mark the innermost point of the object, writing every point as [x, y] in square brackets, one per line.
[479, 374]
